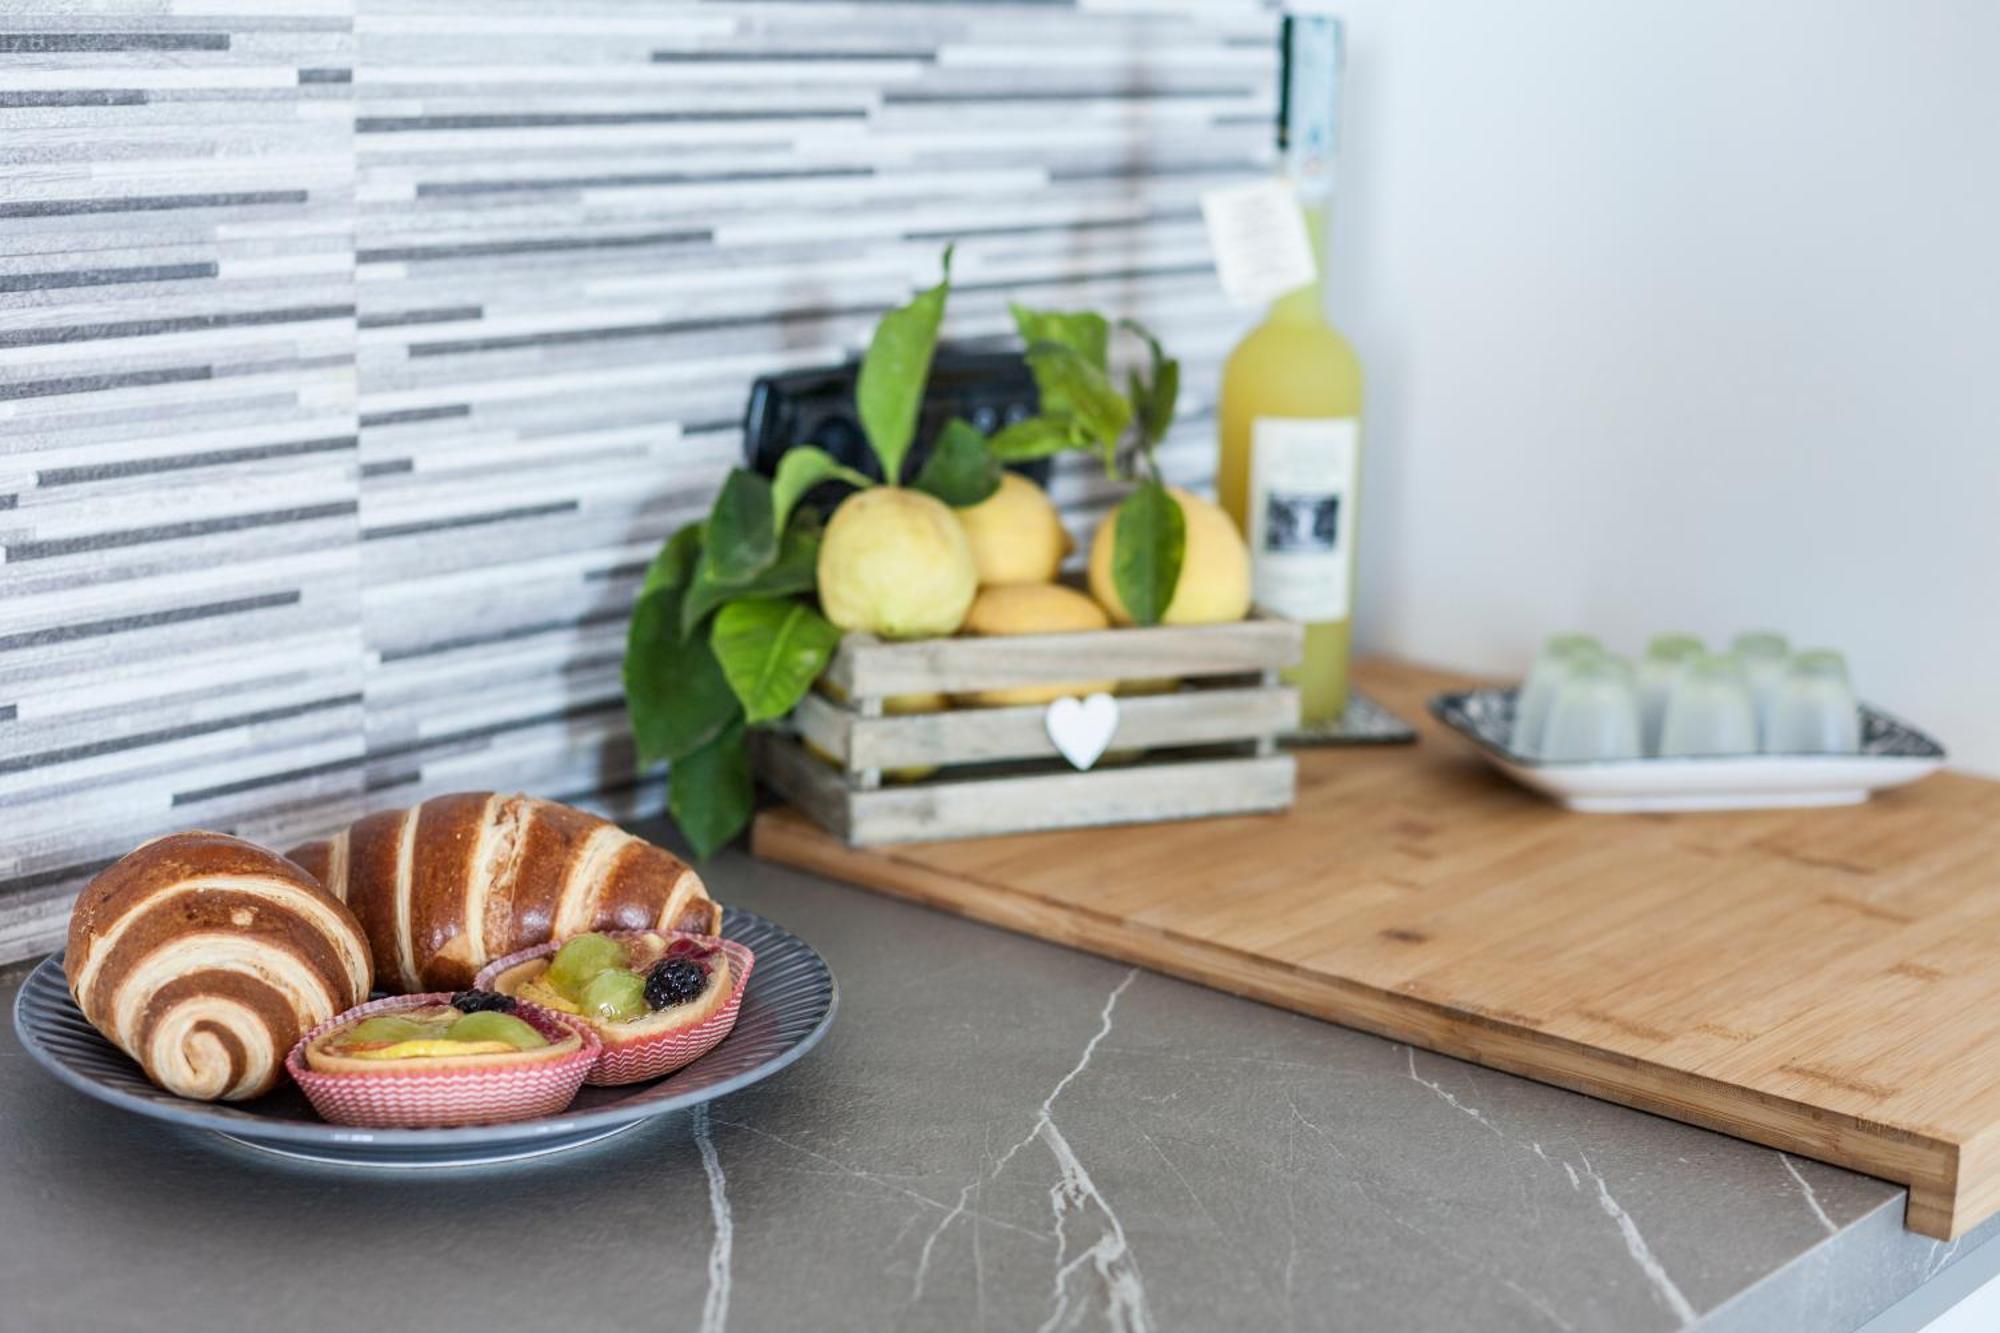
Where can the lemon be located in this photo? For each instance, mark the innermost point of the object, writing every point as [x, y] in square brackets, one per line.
[928, 701]
[895, 563]
[1138, 687]
[924, 701]
[1033, 608]
[1215, 572]
[1016, 534]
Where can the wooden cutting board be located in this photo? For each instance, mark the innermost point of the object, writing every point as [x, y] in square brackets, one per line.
[1823, 981]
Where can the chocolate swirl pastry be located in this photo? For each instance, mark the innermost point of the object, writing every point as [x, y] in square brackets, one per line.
[447, 886]
[205, 958]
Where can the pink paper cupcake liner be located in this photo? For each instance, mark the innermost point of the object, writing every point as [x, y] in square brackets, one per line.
[663, 1053]
[412, 1098]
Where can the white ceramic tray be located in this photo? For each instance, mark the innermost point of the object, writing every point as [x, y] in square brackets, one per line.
[1892, 753]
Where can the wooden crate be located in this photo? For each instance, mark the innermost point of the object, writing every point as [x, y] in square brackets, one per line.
[1210, 747]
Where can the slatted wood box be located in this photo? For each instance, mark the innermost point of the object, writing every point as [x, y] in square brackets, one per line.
[1209, 747]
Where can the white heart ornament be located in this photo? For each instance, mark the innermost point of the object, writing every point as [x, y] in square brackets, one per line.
[1081, 729]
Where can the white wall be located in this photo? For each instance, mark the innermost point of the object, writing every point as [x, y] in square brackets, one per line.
[1683, 316]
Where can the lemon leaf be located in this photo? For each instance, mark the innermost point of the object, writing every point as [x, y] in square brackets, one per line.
[961, 470]
[1035, 437]
[803, 467]
[1147, 549]
[675, 561]
[675, 693]
[1072, 387]
[771, 650]
[795, 570]
[1083, 331]
[889, 392]
[1156, 397]
[710, 793]
[742, 528]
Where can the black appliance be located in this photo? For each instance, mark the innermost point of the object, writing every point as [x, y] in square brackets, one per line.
[988, 389]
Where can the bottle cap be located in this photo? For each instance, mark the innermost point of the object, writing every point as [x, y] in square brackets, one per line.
[1311, 52]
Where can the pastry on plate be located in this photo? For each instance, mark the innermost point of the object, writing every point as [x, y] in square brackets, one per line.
[468, 1031]
[204, 957]
[657, 1000]
[422, 1061]
[445, 887]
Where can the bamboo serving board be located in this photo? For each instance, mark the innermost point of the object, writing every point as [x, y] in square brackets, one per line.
[1822, 981]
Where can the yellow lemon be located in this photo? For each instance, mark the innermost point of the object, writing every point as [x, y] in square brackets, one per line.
[928, 701]
[1033, 608]
[1016, 534]
[895, 562]
[1215, 572]
[1133, 688]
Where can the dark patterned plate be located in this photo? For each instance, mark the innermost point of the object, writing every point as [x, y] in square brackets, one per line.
[787, 1007]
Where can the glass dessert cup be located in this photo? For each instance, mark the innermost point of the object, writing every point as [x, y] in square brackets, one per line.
[657, 1000]
[417, 1078]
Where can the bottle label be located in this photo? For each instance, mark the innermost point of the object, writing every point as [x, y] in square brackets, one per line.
[1302, 481]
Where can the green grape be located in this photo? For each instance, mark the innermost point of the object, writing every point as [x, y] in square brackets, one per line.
[615, 996]
[580, 960]
[495, 1026]
[388, 1028]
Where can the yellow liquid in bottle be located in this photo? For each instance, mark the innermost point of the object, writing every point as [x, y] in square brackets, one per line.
[1294, 365]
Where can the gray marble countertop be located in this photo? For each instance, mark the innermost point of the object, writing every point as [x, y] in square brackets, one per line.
[997, 1134]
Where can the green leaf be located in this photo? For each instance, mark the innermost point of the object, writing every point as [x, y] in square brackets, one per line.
[742, 528]
[890, 390]
[1146, 552]
[961, 470]
[1156, 409]
[1036, 437]
[795, 570]
[1083, 331]
[1155, 398]
[1135, 394]
[1135, 327]
[709, 791]
[675, 692]
[676, 560]
[803, 467]
[772, 649]
[1071, 385]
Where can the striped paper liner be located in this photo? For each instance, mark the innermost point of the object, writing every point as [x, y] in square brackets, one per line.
[635, 1059]
[414, 1097]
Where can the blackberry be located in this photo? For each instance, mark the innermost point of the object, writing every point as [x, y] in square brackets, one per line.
[674, 981]
[482, 1001]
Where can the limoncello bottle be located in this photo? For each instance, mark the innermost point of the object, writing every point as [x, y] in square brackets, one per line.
[1291, 402]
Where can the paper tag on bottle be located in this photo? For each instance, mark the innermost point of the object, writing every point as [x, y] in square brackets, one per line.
[1259, 239]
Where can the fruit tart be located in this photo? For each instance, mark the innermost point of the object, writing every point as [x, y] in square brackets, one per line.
[657, 1000]
[427, 1061]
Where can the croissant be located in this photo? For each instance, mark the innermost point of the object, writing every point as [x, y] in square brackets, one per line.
[445, 887]
[205, 958]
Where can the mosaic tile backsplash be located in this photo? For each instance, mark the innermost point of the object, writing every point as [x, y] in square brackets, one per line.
[355, 355]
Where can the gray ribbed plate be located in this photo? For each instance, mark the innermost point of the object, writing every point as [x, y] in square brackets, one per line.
[787, 1008]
